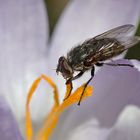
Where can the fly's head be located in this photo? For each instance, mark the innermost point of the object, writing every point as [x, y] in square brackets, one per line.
[64, 68]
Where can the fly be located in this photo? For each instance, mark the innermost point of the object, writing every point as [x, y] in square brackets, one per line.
[95, 51]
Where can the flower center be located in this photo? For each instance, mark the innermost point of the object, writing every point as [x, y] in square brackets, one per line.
[52, 118]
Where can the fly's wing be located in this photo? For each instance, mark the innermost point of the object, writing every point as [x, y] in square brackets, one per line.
[121, 34]
[115, 48]
[111, 43]
[117, 32]
[125, 42]
[128, 42]
[111, 48]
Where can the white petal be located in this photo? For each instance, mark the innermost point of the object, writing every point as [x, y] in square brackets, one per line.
[127, 126]
[84, 19]
[136, 64]
[23, 37]
[8, 125]
[88, 131]
[114, 89]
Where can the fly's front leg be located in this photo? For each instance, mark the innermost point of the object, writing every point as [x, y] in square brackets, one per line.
[92, 75]
[69, 81]
[78, 75]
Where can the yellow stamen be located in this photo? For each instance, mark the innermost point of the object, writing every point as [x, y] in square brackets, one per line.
[53, 117]
[29, 129]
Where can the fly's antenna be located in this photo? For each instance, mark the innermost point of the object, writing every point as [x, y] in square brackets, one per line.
[53, 69]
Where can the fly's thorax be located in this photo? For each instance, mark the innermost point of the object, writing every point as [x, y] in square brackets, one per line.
[76, 56]
[64, 68]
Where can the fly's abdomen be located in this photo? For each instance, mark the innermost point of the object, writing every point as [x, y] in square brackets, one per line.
[108, 53]
[106, 48]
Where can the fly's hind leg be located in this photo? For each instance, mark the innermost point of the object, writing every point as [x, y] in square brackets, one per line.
[92, 75]
[113, 64]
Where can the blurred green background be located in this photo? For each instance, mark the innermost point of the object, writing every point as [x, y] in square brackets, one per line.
[55, 7]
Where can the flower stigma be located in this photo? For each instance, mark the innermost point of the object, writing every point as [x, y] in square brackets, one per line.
[52, 118]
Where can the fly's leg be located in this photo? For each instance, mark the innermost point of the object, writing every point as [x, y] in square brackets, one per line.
[99, 64]
[92, 75]
[78, 75]
[113, 64]
[69, 81]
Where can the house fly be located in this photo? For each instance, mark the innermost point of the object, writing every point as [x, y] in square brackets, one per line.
[95, 51]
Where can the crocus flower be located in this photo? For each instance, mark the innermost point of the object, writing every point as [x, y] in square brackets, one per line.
[113, 110]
